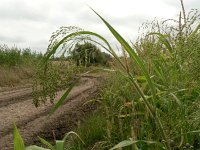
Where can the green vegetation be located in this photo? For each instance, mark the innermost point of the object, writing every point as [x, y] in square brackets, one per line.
[15, 56]
[66, 69]
[87, 54]
[60, 144]
[17, 65]
[92, 132]
[151, 100]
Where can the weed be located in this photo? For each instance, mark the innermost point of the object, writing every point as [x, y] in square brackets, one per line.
[151, 98]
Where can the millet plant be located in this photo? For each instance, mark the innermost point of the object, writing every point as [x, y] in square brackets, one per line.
[157, 108]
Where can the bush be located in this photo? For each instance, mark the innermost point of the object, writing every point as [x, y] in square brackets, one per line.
[15, 56]
[89, 54]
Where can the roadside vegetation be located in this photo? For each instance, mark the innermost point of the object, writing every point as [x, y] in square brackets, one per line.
[17, 65]
[88, 54]
[64, 70]
[151, 98]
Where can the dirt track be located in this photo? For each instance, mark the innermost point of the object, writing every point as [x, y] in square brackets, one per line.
[16, 105]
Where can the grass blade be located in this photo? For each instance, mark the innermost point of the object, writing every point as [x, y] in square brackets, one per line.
[74, 133]
[34, 147]
[43, 141]
[144, 70]
[18, 141]
[60, 145]
[62, 99]
[163, 40]
[132, 54]
[109, 49]
[126, 143]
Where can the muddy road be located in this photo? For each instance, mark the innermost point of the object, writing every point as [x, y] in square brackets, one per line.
[16, 105]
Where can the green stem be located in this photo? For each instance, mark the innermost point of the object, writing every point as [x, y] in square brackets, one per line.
[152, 110]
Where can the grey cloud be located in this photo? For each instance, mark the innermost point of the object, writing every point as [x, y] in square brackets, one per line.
[92, 21]
[18, 10]
[87, 17]
[172, 3]
[192, 4]
[130, 21]
[44, 10]
[42, 47]
[14, 39]
[188, 4]
[29, 23]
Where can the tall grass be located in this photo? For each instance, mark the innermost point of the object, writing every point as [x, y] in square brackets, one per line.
[153, 96]
[162, 84]
[12, 56]
[17, 65]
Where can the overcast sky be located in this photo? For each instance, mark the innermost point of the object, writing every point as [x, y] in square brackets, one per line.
[29, 23]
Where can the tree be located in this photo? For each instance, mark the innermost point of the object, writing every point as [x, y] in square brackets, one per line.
[87, 54]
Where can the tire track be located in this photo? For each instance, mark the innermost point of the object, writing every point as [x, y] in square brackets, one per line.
[31, 121]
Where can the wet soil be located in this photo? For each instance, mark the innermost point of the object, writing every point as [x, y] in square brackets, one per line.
[16, 105]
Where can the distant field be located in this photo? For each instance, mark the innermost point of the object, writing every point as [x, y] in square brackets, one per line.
[17, 65]
[15, 76]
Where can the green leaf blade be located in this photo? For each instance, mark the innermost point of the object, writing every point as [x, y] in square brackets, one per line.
[131, 52]
[34, 147]
[18, 141]
[43, 141]
[124, 144]
[62, 99]
[60, 145]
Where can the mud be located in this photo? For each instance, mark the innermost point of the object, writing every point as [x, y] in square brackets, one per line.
[16, 105]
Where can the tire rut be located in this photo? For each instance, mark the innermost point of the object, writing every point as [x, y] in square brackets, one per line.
[35, 120]
[15, 98]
